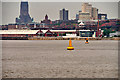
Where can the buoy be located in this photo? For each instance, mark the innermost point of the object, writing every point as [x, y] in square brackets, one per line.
[70, 45]
[86, 41]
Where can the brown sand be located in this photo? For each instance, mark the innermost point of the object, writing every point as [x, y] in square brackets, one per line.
[50, 59]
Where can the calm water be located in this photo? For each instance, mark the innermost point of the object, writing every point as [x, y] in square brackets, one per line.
[51, 59]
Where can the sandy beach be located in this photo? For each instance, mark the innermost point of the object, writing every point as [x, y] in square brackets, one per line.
[51, 59]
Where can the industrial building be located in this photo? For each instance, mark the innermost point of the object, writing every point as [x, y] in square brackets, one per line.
[47, 33]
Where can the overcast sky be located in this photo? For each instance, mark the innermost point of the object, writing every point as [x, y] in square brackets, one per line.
[38, 10]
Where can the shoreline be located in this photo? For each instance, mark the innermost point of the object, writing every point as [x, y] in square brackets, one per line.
[57, 38]
[60, 38]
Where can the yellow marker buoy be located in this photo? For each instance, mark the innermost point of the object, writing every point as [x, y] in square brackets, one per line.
[70, 45]
[86, 41]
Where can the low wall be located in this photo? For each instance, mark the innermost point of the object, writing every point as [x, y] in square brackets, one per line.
[13, 38]
[60, 38]
[55, 38]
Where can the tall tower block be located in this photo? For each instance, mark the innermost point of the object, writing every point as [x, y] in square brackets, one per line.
[24, 8]
[24, 14]
[63, 14]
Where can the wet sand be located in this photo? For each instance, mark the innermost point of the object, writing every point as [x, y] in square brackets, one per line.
[50, 59]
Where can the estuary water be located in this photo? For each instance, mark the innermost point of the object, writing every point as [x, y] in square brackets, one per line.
[51, 59]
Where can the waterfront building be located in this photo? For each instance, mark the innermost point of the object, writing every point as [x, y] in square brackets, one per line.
[63, 14]
[4, 27]
[12, 26]
[24, 14]
[46, 33]
[81, 24]
[102, 16]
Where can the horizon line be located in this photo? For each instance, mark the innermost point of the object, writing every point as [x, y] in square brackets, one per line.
[61, 1]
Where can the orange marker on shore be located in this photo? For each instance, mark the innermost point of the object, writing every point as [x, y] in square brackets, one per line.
[70, 45]
[86, 41]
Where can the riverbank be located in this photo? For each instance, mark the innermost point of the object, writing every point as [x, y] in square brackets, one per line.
[83, 38]
[57, 38]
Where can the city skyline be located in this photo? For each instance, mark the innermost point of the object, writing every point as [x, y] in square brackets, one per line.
[39, 10]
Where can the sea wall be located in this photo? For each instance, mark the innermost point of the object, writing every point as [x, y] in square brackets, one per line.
[60, 38]
[56, 38]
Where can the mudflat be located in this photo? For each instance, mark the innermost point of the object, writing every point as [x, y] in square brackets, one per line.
[51, 59]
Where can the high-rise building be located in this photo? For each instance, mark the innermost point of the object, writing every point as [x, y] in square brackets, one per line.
[86, 7]
[84, 16]
[24, 14]
[88, 12]
[94, 13]
[63, 14]
[77, 16]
